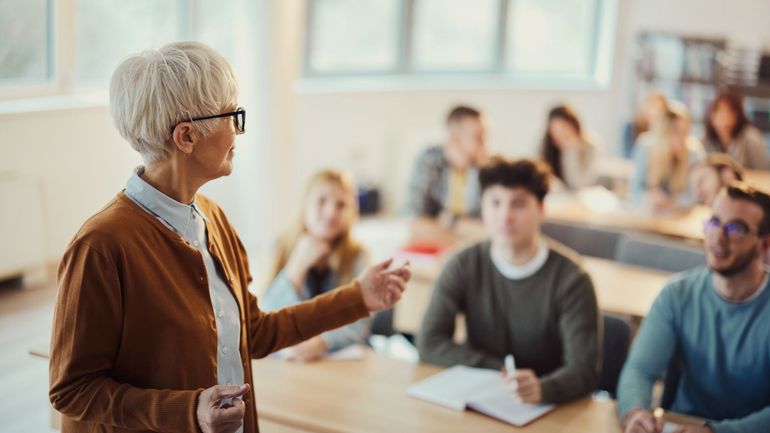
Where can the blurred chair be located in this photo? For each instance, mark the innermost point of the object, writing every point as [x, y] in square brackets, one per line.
[658, 253]
[617, 340]
[586, 240]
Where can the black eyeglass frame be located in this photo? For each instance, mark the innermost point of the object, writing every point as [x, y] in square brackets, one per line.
[239, 116]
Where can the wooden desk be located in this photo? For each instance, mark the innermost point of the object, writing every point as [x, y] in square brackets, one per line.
[570, 208]
[370, 396]
[267, 426]
[758, 178]
[620, 288]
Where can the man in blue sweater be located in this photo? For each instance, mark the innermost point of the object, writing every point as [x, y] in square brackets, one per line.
[712, 324]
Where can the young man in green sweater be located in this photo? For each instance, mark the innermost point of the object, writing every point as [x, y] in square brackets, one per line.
[712, 324]
[521, 294]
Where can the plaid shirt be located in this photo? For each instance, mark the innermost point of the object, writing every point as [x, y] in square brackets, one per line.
[429, 185]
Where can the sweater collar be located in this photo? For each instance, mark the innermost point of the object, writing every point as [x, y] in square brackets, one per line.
[519, 272]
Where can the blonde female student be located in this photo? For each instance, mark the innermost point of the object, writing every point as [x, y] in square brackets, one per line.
[315, 255]
[663, 159]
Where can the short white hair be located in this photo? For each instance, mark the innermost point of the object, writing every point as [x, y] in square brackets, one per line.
[153, 91]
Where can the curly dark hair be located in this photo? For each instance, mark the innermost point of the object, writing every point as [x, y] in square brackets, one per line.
[743, 191]
[530, 174]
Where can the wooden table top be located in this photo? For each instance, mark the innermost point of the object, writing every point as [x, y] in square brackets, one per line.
[588, 209]
[370, 396]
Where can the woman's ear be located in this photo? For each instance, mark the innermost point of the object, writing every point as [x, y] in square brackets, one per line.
[184, 137]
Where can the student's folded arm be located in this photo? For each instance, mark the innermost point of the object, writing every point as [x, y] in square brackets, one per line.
[434, 340]
[271, 331]
[280, 293]
[756, 422]
[650, 355]
[580, 330]
[86, 337]
[355, 333]
[638, 184]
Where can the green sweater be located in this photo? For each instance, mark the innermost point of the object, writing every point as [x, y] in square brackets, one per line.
[549, 321]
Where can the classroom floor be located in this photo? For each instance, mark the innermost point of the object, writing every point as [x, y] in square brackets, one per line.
[25, 323]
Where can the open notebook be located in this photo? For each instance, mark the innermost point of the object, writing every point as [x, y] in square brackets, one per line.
[478, 389]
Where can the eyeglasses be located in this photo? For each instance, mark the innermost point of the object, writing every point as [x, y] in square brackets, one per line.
[733, 230]
[239, 119]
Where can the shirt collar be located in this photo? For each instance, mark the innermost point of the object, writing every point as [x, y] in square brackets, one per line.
[174, 213]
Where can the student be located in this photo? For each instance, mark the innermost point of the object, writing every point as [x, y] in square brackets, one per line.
[649, 112]
[662, 162]
[728, 130]
[316, 255]
[711, 324]
[521, 294]
[712, 174]
[443, 183]
[568, 151]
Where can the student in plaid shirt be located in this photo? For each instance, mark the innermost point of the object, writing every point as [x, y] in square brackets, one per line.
[444, 182]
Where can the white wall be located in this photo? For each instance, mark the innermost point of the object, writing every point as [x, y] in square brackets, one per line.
[79, 159]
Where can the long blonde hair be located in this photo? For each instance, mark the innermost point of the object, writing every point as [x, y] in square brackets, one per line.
[666, 166]
[345, 249]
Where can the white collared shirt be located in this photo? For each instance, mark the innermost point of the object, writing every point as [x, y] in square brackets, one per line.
[190, 224]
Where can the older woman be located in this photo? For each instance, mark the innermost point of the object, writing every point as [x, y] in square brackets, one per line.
[154, 326]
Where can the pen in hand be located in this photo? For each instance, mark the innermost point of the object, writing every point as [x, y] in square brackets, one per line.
[510, 368]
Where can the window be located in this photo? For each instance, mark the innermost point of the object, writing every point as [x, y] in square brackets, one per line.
[110, 30]
[354, 36]
[25, 53]
[509, 39]
[94, 36]
[551, 36]
[455, 35]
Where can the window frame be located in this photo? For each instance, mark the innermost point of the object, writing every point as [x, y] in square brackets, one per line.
[602, 43]
[63, 51]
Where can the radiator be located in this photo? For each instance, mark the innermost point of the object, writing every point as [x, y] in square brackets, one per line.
[22, 238]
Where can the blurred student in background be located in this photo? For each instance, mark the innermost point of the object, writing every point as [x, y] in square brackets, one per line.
[567, 150]
[712, 174]
[728, 130]
[653, 107]
[444, 182]
[663, 158]
[520, 293]
[316, 255]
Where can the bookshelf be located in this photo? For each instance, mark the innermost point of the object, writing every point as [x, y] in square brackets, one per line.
[693, 69]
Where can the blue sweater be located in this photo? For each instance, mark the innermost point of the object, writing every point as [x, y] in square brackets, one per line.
[723, 351]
